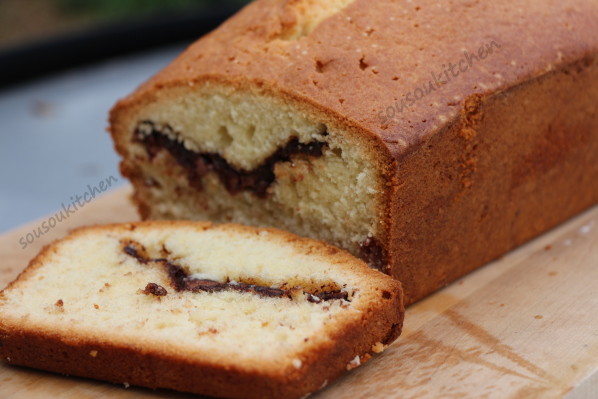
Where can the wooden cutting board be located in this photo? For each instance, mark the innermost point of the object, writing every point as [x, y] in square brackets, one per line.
[525, 326]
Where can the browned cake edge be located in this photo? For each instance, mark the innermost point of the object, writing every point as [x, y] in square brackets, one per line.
[376, 149]
[70, 353]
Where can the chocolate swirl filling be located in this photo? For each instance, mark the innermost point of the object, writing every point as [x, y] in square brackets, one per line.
[198, 164]
[180, 280]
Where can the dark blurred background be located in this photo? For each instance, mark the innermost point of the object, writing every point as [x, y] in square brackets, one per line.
[41, 36]
[63, 64]
[24, 21]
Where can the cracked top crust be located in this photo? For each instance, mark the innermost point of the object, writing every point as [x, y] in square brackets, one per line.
[387, 50]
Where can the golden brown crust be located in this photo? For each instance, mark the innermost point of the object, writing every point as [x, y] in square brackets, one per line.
[124, 365]
[100, 357]
[497, 178]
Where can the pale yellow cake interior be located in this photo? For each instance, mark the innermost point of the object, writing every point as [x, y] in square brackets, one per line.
[335, 197]
[91, 287]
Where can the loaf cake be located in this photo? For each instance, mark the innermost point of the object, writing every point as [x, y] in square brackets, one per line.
[425, 137]
[225, 311]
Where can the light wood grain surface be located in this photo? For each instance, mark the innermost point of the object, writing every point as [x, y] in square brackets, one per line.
[525, 326]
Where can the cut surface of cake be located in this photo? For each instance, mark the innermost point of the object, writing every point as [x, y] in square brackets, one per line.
[426, 139]
[226, 311]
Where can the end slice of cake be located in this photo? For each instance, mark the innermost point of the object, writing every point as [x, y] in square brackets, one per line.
[220, 310]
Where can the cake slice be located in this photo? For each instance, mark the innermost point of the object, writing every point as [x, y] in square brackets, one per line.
[227, 311]
[426, 137]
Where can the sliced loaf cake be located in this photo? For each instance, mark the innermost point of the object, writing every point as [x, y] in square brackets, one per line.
[226, 311]
[426, 137]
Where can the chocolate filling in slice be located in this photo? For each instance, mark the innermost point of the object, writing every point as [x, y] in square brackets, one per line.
[374, 254]
[198, 164]
[180, 280]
